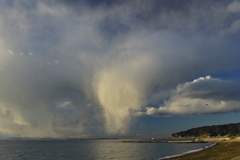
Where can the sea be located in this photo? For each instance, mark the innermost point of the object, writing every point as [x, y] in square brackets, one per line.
[107, 149]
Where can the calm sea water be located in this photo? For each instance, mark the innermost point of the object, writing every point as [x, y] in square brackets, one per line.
[89, 149]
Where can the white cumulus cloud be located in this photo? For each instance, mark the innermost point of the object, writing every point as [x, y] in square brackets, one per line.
[204, 95]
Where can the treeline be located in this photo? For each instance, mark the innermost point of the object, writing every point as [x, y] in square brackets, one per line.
[232, 129]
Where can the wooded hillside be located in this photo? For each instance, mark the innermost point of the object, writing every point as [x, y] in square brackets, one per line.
[232, 129]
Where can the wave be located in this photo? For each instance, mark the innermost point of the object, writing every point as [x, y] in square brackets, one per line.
[188, 152]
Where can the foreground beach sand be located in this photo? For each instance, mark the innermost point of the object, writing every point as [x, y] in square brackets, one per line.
[228, 150]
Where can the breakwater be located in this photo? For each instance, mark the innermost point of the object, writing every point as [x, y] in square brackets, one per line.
[163, 142]
[144, 141]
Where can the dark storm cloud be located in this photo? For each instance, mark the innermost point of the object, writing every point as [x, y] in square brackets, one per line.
[92, 3]
[72, 67]
[185, 15]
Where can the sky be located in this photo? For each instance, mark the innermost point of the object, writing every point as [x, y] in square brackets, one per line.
[125, 69]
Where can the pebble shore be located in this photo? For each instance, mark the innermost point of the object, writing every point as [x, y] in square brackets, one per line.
[226, 150]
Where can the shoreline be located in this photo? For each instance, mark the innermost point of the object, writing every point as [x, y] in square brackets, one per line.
[186, 141]
[226, 150]
[187, 152]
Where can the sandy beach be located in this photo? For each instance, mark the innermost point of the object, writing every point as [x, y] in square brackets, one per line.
[226, 150]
